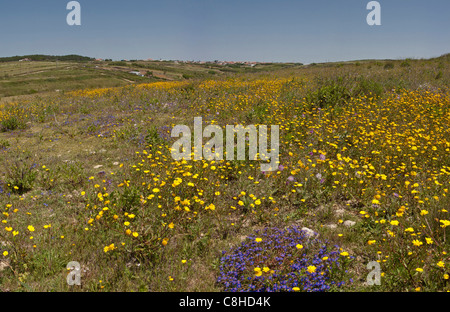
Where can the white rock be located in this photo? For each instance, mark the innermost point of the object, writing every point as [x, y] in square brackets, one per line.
[349, 223]
[309, 233]
[98, 166]
[116, 163]
[330, 226]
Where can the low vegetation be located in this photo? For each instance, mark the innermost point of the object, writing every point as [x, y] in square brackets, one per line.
[88, 176]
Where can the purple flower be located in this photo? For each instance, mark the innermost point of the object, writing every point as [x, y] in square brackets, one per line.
[281, 167]
[322, 157]
[291, 178]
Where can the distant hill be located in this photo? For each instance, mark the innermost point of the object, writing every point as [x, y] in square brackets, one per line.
[41, 57]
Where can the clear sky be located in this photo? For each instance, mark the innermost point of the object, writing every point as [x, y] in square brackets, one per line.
[233, 30]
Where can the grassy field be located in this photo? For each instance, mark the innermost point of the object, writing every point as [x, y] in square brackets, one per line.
[50, 77]
[87, 176]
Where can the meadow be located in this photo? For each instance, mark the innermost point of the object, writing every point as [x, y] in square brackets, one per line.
[87, 176]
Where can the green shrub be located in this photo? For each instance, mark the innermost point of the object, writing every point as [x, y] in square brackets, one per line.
[11, 123]
[368, 87]
[405, 63]
[329, 95]
[389, 65]
[20, 176]
[4, 144]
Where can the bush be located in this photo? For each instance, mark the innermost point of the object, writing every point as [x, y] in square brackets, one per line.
[20, 177]
[10, 124]
[368, 87]
[282, 260]
[389, 65]
[405, 63]
[331, 94]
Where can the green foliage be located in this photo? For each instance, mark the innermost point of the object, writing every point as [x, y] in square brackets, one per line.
[330, 94]
[368, 87]
[405, 63]
[153, 138]
[41, 57]
[20, 176]
[11, 123]
[389, 65]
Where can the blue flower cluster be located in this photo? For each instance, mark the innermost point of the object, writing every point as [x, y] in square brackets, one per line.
[275, 260]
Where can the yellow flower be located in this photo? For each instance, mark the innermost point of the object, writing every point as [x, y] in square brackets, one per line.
[394, 222]
[344, 253]
[258, 240]
[429, 240]
[165, 241]
[135, 234]
[108, 248]
[441, 264]
[417, 242]
[298, 246]
[371, 242]
[30, 228]
[5, 253]
[419, 270]
[311, 269]
[296, 289]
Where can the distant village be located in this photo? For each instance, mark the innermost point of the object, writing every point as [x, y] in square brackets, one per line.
[192, 62]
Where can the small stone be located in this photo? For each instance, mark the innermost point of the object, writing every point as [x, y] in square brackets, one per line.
[349, 223]
[98, 166]
[309, 233]
[330, 226]
[116, 163]
[4, 264]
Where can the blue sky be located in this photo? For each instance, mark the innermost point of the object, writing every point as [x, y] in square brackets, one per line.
[238, 30]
